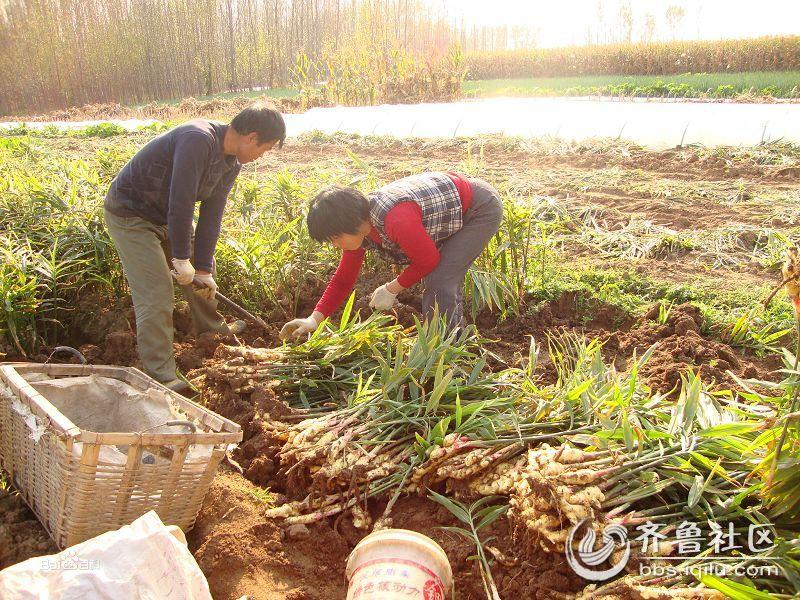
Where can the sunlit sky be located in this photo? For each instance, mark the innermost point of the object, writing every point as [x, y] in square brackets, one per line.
[565, 22]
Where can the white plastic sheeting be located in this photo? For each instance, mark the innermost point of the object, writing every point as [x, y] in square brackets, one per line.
[143, 560]
[656, 124]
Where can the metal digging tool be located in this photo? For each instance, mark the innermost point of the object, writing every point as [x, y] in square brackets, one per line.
[235, 308]
[239, 311]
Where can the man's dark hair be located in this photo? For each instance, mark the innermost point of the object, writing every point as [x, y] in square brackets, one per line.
[336, 210]
[263, 119]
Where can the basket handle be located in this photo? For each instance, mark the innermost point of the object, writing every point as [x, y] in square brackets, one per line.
[188, 424]
[69, 350]
[178, 423]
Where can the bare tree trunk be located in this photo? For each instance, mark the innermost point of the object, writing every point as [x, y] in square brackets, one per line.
[275, 48]
[233, 83]
[338, 9]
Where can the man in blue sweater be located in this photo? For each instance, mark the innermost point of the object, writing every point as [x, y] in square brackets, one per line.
[149, 212]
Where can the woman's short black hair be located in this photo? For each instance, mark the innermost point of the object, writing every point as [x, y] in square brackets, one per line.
[336, 210]
[263, 119]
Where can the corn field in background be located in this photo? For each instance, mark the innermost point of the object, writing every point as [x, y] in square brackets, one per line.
[366, 74]
[58, 55]
[657, 58]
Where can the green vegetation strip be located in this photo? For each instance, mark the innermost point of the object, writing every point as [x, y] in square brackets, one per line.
[776, 84]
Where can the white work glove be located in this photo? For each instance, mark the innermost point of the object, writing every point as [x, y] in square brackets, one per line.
[382, 299]
[210, 286]
[298, 327]
[184, 271]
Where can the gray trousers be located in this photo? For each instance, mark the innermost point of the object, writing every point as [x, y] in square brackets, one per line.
[144, 250]
[444, 286]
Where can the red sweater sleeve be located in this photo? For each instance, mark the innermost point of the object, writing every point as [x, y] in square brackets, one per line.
[403, 225]
[342, 282]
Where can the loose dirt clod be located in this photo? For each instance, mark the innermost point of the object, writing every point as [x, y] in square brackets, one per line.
[681, 346]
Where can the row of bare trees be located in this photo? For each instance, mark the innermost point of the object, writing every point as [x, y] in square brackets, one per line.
[61, 53]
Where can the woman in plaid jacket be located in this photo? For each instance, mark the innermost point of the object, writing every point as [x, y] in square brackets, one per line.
[436, 223]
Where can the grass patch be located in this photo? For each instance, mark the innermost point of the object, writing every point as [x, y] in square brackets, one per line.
[264, 496]
[104, 129]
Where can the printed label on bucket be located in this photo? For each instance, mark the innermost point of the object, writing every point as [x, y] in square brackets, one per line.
[433, 590]
[394, 578]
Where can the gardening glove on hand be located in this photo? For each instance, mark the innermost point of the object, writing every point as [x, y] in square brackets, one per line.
[184, 271]
[209, 286]
[382, 299]
[298, 327]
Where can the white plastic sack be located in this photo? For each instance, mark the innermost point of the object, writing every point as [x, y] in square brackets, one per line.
[140, 561]
[35, 425]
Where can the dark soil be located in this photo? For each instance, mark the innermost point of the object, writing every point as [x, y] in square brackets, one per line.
[21, 534]
[680, 344]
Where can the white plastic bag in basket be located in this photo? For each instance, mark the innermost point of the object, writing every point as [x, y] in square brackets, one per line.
[140, 561]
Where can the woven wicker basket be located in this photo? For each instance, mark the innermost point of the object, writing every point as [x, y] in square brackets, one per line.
[61, 473]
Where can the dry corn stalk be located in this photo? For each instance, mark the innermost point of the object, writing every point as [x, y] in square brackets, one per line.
[791, 274]
[791, 281]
